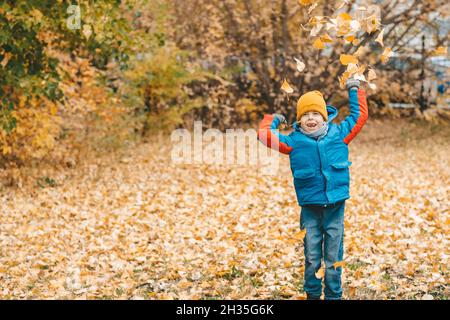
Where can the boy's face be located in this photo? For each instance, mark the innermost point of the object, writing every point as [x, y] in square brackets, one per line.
[311, 121]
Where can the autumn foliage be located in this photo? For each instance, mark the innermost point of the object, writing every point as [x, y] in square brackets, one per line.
[92, 207]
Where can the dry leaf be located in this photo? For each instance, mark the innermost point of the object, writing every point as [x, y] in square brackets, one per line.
[311, 8]
[387, 53]
[343, 3]
[305, 2]
[318, 44]
[326, 38]
[379, 38]
[300, 65]
[348, 58]
[286, 87]
[440, 51]
[371, 75]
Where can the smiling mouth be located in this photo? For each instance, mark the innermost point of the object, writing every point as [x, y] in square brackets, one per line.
[311, 125]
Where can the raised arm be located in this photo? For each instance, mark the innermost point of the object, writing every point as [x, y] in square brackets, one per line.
[359, 112]
[270, 136]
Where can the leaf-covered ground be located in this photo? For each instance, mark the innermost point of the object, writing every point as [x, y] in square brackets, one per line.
[134, 225]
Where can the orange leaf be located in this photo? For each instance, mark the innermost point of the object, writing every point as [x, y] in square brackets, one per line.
[318, 44]
[348, 58]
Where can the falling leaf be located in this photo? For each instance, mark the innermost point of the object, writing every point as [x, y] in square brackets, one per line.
[326, 38]
[379, 38]
[305, 2]
[339, 264]
[371, 75]
[320, 273]
[343, 79]
[440, 51]
[315, 30]
[342, 4]
[387, 53]
[286, 87]
[318, 44]
[345, 16]
[300, 65]
[372, 24]
[349, 38]
[348, 58]
[311, 8]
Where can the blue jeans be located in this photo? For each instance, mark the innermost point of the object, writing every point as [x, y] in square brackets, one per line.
[324, 240]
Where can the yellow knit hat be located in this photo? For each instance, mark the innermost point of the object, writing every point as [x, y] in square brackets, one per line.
[312, 101]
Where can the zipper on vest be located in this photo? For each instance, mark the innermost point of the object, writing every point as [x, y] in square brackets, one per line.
[324, 177]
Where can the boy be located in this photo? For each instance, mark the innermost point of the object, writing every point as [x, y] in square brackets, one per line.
[318, 153]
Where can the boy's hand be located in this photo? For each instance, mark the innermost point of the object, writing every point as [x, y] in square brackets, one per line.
[352, 83]
[280, 117]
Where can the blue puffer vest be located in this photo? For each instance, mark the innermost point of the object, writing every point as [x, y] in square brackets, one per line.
[320, 167]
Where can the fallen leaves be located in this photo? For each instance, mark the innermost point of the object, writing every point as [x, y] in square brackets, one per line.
[139, 229]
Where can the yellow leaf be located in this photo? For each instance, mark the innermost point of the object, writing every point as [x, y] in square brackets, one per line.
[349, 38]
[343, 3]
[320, 273]
[286, 87]
[348, 58]
[300, 234]
[339, 264]
[371, 75]
[372, 24]
[343, 79]
[379, 38]
[345, 16]
[53, 109]
[318, 44]
[326, 38]
[305, 2]
[440, 51]
[355, 42]
[387, 53]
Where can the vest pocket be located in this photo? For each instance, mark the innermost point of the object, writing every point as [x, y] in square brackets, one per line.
[304, 173]
[341, 165]
[340, 173]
